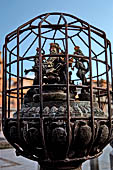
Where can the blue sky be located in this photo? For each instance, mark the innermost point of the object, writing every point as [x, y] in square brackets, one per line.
[14, 13]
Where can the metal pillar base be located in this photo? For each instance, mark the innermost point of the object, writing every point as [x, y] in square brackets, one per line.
[111, 160]
[94, 164]
[79, 168]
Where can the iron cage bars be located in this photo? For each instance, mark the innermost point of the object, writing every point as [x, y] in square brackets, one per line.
[90, 28]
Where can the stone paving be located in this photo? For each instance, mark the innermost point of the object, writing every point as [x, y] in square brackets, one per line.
[104, 160]
[9, 161]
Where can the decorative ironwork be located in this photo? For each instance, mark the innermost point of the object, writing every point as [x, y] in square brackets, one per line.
[59, 121]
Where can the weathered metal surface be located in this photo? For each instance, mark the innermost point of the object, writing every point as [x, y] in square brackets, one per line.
[59, 121]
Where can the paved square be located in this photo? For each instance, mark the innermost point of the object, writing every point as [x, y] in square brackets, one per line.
[7, 163]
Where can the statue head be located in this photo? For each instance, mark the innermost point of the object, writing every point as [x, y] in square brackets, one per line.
[76, 48]
[54, 48]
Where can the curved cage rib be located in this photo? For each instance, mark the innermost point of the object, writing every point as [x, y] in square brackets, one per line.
[67, 77]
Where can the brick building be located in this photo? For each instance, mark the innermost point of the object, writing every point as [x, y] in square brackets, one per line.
[13, 101]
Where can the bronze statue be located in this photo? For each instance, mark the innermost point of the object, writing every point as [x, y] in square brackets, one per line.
[35, 68]
[55, 66]
[82, 70]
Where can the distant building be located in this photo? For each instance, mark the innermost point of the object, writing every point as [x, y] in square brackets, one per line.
[13, 101]
[103, 97]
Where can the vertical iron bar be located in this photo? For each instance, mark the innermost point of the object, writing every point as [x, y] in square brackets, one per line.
[67, 73]
[68, 92]
[5, 80]
[9, 86]
[67, 82]
[18, 104]
[41, 92]
[40, 67]
[41, 88]
[108, 91]
[3, 91]
[111, 61]
[40, 74]
[98, 81]
[21, 82]
[91, 86]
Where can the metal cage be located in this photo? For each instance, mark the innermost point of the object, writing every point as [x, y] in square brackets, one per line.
[19, 54]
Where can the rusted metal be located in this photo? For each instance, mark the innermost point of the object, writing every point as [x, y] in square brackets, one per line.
[18, 72]
[22, 70]
[59, 120]
[41, 89]
[108, 91]
[91, 88]
[3, 87]
[111, 61]
[9, 86]
[5, 80]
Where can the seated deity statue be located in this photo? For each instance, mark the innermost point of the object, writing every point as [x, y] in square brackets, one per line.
[55, 66]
